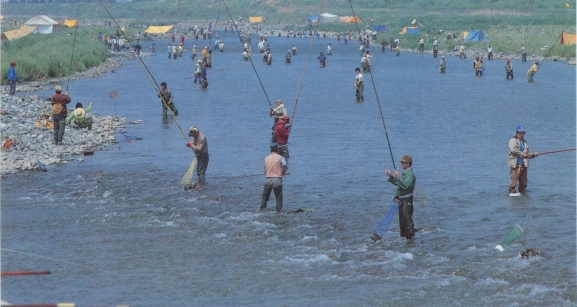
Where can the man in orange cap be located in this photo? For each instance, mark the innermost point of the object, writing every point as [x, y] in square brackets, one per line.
[405, 185]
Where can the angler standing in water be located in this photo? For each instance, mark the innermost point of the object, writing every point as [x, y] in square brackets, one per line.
[532, 71]
[282, 131]
[165, 96]
[359, 85]
[322, 60]
[509, 69]
[278, 113]
[405, 185]
[200, 147]
[59, 113]
[197, 70]
[518, 160]
[478, 66]
[443, 64]
[275, 167]
[193, 51]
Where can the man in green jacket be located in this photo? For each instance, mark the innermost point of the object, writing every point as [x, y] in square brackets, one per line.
[405, 183]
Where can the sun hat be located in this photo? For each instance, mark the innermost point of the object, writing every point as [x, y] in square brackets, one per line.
[58, 88]
[79, 113]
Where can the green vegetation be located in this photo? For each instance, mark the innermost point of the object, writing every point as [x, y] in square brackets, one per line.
[39, 56]
[506, 24]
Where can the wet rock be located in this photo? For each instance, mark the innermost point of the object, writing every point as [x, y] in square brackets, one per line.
[36, 143]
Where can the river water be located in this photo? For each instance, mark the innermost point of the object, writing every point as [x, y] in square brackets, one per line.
[118, 229]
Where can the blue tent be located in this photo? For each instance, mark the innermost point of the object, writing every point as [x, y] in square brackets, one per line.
[312, 19]
[380, 29]
[475, 36]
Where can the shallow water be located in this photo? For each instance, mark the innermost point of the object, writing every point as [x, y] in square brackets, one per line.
[117, 228]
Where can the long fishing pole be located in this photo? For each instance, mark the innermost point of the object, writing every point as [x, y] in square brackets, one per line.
[550, 49]
[224, 69]
[210, 41]
[376, 94]
[292, 118]
[73, 46]
[146, 71]
[555, 151]
[250, 57]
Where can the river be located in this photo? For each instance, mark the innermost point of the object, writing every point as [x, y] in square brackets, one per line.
[117, 228]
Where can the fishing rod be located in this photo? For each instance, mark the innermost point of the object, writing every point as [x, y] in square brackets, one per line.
[376, 94]
[550, 49]
[210, 41]
[146, 71]
[224, 69]
[250, 57]
[21, 273]
[292, 118]
[72, 57]
[555, 151]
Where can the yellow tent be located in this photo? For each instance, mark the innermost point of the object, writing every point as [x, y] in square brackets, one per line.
[71, 23]
[568, 39]
[18, 33]
[158, 29]
[465, 33]
[255, 19]
[353, 19]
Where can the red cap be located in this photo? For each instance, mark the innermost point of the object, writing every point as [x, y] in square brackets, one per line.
[13, 64]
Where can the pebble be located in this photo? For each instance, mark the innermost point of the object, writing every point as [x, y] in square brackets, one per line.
[31, 143]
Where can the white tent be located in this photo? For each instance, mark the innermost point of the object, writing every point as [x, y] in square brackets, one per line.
[44, 24]
[326, 17]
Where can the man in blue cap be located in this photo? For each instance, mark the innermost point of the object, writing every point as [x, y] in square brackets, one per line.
[518, 160]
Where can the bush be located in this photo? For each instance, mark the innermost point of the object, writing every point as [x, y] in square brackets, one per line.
[40, 56]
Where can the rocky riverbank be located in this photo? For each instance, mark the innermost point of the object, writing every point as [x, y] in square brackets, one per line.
[33, 142]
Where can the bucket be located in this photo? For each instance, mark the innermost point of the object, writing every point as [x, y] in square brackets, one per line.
[514, 234]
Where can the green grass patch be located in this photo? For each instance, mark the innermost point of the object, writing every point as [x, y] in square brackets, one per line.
[40, 56]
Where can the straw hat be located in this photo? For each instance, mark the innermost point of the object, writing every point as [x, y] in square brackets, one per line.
[79, 113]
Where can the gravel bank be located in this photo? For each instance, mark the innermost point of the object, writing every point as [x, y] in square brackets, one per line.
[34, 143]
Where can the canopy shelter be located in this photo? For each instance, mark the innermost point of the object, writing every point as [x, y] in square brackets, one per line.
[352, 19]
[43, 24]
[158, 29]
[410, 30]
[255, 19]
[568, 39]
[18, 33]
[380, 28]
[474, 36]
[326, 17]
[416, 23]
[312, 19]
[71, 23]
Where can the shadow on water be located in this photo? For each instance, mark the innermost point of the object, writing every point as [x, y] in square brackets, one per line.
[123, 211]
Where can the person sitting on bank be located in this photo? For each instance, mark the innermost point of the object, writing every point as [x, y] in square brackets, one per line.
[79, 116]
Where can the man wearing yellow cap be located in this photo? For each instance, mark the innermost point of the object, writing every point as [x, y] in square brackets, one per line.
[59, 113]
[405, 185]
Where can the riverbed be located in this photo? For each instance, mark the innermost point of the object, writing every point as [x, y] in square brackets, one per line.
[117, 228]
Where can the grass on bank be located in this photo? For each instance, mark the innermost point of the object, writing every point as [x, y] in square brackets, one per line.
[43, 56]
